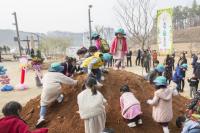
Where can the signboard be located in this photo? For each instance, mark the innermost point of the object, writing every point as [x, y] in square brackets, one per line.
[165, 31]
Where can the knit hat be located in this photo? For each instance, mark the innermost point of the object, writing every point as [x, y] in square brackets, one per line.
[161, 80]
[56, 67]
[160, 68]
[120, 30]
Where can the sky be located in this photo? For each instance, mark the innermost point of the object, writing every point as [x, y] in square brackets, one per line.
[65, 15]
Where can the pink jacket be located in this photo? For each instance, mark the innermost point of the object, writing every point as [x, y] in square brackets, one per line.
[114, 44]
[162, 105]
[130, 106]
[98, 44]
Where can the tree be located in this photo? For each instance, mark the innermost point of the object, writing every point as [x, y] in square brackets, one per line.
[5, 49]
[137, 17]
[54, 45]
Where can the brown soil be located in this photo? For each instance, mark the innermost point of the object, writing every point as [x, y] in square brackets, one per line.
[62, 118]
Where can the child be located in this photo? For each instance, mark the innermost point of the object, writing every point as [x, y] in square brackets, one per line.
[194, 82]
[162, 103]
[130, 107]
[179, 76]
[152, 75]
[69, 67]
[52, 88]
[12, 123]
[93, 64]
[91, 105]
[189, 126]
[119, 48]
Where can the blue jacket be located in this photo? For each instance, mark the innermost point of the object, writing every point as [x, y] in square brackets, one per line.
[178, 75]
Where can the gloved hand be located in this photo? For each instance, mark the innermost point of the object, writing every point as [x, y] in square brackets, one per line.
[89, 71]
[149, 101]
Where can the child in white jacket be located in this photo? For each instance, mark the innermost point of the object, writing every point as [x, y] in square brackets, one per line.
[130, 107]
[162, 103]
[91, 105]
[51, 91]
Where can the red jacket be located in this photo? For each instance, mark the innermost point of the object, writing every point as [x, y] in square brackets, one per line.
[114, 46]
[12, 124]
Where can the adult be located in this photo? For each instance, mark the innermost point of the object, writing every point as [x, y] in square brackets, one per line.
[51, 91]
[155, 57]
[13, 123]
[194, 60]
[145, 63]
[197, 69]
[138, 58]
[119, 48]
[168, 68]
[91, 105]
[129, 58]
[182, 61]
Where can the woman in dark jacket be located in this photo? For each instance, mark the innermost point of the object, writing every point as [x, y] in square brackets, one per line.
[168, 68]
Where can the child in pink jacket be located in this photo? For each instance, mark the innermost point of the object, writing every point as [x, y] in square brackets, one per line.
[162, 103]
[130, 107]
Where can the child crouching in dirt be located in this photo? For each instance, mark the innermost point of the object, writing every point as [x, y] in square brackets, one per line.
[162, 103]
[130, 107]
[12, 122]
[52, 89]
[91, 105]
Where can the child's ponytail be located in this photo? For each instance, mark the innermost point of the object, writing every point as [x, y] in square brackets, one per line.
[94, 90]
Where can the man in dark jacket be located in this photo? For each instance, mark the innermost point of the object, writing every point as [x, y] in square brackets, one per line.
[129, 58]
[138, 58]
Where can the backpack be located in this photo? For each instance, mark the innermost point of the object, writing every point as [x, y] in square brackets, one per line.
[104, 46]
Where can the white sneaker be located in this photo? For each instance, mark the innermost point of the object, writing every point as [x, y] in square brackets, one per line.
[165, 130]
[132, 124]
[102, 78]
[140, 121]
[40, 122]
[99, 84]
[60, 98]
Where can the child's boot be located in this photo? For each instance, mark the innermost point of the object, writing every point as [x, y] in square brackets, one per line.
[140, 121]
[165, 129]
[132, 124]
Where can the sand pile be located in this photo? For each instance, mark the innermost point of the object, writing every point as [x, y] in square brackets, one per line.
[62, 118]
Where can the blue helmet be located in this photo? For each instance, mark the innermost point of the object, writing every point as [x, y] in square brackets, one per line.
[160, 68]
[184, 66]
[120, 30]
[107, 56]
[161, 80]
[95, 34]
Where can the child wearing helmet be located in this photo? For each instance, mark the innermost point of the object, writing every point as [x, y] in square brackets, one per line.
[51, 91]
[101, 44]
[91, 105]
[119, 48]
[179, 75]
[162, 103]
[130, 107]
[158, 71]
[93, 64]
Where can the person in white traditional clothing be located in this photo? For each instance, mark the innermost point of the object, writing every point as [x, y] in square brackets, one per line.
[51, 92]
[91, 105]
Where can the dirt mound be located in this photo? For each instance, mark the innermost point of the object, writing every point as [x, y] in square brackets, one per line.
[62, 118]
